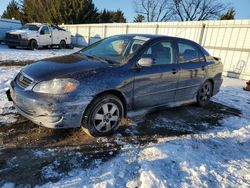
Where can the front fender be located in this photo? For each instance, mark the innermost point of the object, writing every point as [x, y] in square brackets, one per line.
[117, 81]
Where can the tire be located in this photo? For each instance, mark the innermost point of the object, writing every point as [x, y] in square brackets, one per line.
[33, 44]
[62, 44]
[12, 47]
[205, 93]
[103, 116]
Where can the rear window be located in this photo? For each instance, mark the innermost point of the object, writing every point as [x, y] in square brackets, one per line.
[189, 52]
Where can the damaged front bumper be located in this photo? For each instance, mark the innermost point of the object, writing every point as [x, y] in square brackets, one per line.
[64, 111]
[49, 121]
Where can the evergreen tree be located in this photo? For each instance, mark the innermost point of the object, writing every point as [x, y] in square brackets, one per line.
[53, 10]
[111, 17]
[139, 18]
[104, 17]
[13, 11]
[60, 11]
[88, 13]
[117, 16]
[35, 11]
[229, 15]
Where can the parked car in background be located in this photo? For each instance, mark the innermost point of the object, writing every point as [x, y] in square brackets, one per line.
[100, 85]
[35, 35]
[7, 25]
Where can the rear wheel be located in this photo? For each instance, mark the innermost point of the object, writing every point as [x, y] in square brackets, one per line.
[33, 45]
[62, 44]
[103, 117]
[205, 93]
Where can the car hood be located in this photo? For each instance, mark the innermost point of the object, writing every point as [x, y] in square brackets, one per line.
[22, 32]
[48, 69]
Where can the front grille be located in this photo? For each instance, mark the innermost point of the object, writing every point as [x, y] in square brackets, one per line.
[11, 36]
[23, 81]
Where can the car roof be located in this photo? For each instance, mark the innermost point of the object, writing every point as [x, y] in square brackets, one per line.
[153, 36]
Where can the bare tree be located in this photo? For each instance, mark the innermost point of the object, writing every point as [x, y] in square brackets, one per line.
[183, 10]
[189, 10]
[153, 10]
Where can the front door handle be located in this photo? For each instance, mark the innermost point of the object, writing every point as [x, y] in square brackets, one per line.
[174, 71]
[203, 68]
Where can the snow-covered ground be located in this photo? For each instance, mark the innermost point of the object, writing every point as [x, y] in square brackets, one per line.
[22, 55]
[218, 157]
[6, 111]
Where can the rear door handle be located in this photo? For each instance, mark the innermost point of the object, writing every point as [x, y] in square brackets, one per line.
[174, 71]
[203, 67]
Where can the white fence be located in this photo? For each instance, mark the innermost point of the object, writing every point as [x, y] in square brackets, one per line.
[229, 40]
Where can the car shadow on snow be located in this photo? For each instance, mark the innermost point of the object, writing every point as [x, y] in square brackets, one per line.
[51, 154]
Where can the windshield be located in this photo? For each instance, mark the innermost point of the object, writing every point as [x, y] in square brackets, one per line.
[30, 27]
[115, 49]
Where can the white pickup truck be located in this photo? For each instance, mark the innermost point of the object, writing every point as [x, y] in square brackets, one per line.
[35, 35]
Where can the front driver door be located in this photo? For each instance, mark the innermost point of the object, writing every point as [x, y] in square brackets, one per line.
[155, 85]
[45, 36]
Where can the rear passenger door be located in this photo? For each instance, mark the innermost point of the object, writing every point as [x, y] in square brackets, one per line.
[192, 64]
[156, 85]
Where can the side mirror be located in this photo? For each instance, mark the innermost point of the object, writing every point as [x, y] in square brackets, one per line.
[42, 32]
[145, 62]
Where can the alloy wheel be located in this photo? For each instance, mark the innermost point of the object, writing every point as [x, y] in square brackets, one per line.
[106, 117]
[205, 92]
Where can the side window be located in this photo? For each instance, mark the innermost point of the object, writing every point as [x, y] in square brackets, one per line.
[161, 53]
[45, 30]
[189, 53]
[136, 45]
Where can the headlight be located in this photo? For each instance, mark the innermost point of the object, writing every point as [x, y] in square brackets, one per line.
[57, 86]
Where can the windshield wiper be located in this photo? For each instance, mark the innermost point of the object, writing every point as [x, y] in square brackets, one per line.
[96, 57]
[100, 59]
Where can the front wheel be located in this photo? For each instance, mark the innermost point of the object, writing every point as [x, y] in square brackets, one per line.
[33, 45]
[205, 93]
[103, 117]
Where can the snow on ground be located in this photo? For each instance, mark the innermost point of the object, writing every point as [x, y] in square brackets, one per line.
[22, 55]
[6, 110]
[232, 95]
[216, 158]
